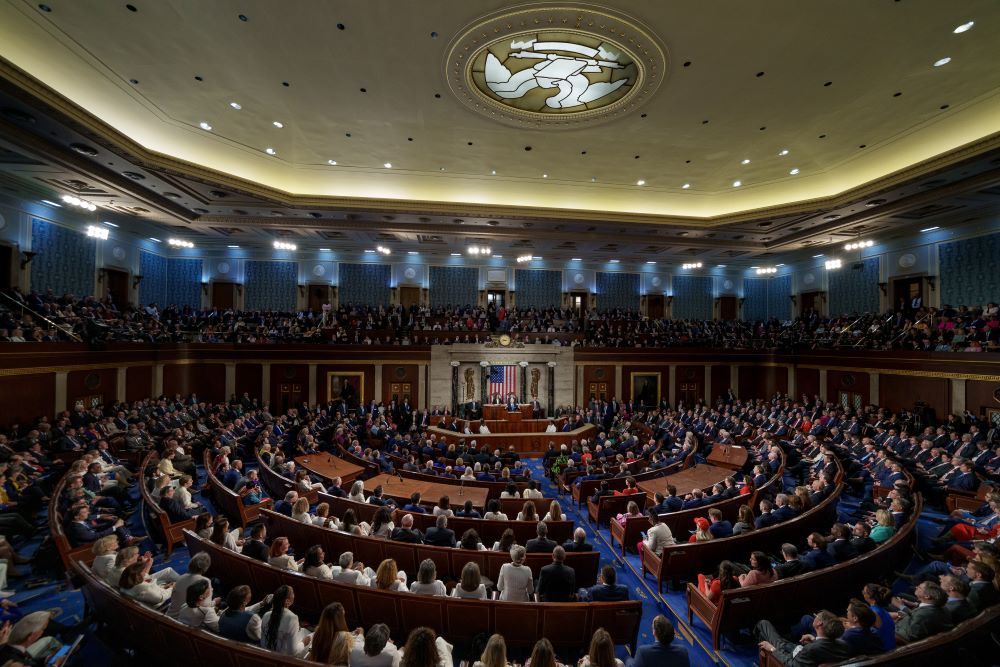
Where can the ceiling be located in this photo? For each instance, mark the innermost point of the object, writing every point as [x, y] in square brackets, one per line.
[104, 100]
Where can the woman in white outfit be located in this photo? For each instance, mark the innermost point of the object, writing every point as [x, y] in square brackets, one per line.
[515, 581]
[280, 631]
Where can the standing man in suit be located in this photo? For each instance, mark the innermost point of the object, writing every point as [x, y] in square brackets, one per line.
[662, 652]
[536, 409]
[557, 582]
[472, 409]
[824, 646]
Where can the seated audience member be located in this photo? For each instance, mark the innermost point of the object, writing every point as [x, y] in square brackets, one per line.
[300, 511]
[136, 584]
[357, 493]
[790, 566]
[443, 508]
[199, 609]
[494, 654]
[745, 521]
[239, 621]
[506, 542]
[471, 583]
[883, 527]
[27, 640]
[470, 540]
[879, 598]
[374, 648]
[816, 557]
[662, 652]
[515, 582]
[427, 582]
[406, 532]
[579, 541]
[555, 512]
[440, 535]
[528, 512]
[352, 572]
[468, 511]
[280, 630]
[724, 581]
[601, 652]
[493, 512]
[414, 505]
[284, 506]
[701, 532]
[761, 571]
[279, 557]
[557, 581]
[840, 547]
[607, 589]
[957, 606]
[982, 591]
[824, 645]
[719, 527]
[332, 641]
[313, 565]
[860, 539]
[426, 649]
[657, 537]
[925, 617]
[543, 655]
[197, 568]
[389, 578]
[255, 546]
[541, 543]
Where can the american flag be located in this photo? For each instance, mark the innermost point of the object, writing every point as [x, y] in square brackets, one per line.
[503, 380]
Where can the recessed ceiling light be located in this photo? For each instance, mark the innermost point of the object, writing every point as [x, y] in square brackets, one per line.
[325, 250]
[942, 61]
[720, 266]
[737, 184]
[332, 163]
[640, 182]
[794, 171]
[745, 161]
[754, 267]
[686, 186]
[270, 151]
[494, 172]
[819, 255]
[109, 224]
[536, 258]
[576, 259]
[232, 246]
[651, 261]
[278, 124]
[497, 256]
[930, 229]
[613, 261]
[783, 152]
[369, 251]
[205, 126]
[412, 252]
[51, 203]
[236, 105]
[456, 254]
[155, 240]
[545, 175]
[779, 264]
[965, 27]
[387, 165]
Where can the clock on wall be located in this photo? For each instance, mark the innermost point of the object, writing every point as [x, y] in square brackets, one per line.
[504, 340]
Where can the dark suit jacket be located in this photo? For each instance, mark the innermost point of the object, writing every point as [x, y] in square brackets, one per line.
[538, 545]
[570, 545]
[922, 622]
[605, 593]
[658, 655]
[959, 610]
[439, 537]
[256, 550]
[841, 550]
[816, 652]
[862, 642]
[8, 653]
[790, 568]
[557, 583]
[413, 536]
[78, 534]
[982, 596]
[765, 520]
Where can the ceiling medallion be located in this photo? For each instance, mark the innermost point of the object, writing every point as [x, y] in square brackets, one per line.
[554, 65]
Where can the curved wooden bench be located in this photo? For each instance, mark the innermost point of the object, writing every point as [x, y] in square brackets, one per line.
[685, 560]
[172, 532]
[582, 492]
[458, 620]
[67, 552]
[151, 633]
[449, 560]
[828, 588]
[276, 485]
[228, 502]
[610, 506]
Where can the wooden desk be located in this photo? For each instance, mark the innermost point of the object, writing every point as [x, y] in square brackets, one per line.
[328, 467]
[493, 411]
[728, 456]
[533, 444]
[700, 477]
[430, 492]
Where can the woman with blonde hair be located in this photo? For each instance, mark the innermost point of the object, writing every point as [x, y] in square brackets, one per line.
[105, 551]
[494, 654]
[555, 512]
[278, 556]
[515, 582]
[300, 511]
[389, 578]
[323, 517]
[884, 528]
[357, 492]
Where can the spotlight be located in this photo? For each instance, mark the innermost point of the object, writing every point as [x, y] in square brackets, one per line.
[281, 245]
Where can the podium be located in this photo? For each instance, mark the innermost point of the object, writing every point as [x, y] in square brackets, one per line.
[500, 413]
[728, 456]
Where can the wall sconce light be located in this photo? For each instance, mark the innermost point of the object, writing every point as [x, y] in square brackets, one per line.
[136, 280]
[26, 257]
[204, 289]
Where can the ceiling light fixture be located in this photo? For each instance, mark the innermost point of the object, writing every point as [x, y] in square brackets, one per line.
[278, 124]
[155, 240]
[929, 229]
[793, 172]
[479, 250]
[720, 266]
[412, 252]
[832, 264]
[456, 254]
[494, 172]
[545, 175]
[382, 249]
[685, 186]
[575, 259]
[51, 203]
[651, 261]
[281, 245]
[640, 182]
[270, 151]
[387, 165]
[783, 153]
[858, 245]
[232, 246]
[692, 265]
[236, 105]
[76, 201]
[178, 243]
[521, 259]
[325, 250]
[205, 126]
[96, 232]
[764, 270]
[816, 256]
[332, 163]
[745, 161]
[942, 61]
[965, 27]
[370, 251]
[737, 184]
[109, 224]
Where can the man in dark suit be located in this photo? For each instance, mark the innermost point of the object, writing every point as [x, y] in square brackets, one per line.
[472, 409]
[174, 508]
[840, 547]
[606, 589]
[928, 617]
[557, 582]
[541, 543]
[719, 527]
[791, 566]
[440, 535]
[414, 504]
[957, 606]
[284, 506]
[766, 518]
[662, 652]
[405, 532]
[982, 592]
[80, 530]
[255, 547]
[536, 409]
[579, 542]
[825, 647]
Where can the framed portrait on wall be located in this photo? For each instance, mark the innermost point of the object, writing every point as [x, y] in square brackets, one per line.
[346, 385]
[645, 389]
[992, 418]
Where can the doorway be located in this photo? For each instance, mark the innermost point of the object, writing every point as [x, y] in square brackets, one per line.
[496, 298]
[7, 258]
[654, 306]
[223, 295]
[319, 295]
[116, 284]
[908, 294]
[409, 297]
[578, 302]
[727, 308]
[810, 302]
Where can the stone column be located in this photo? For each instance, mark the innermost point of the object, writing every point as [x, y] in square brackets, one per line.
[120, 385]
[958, 396]
[60, 402]
[265, 383]
[580, 389]
[230, 378]
[822, 385]
[793, 390]
[873, 388]
[734, 379]
[551, 409]
[523, 368]
[618, 383]
[158, 380]
[454, 387]
[708, 384]
[672, 386]
[312, 386]
[422, 383]
[377, 390]
[484, 380]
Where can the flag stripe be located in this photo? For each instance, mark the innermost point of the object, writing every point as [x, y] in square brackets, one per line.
[503, 380]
